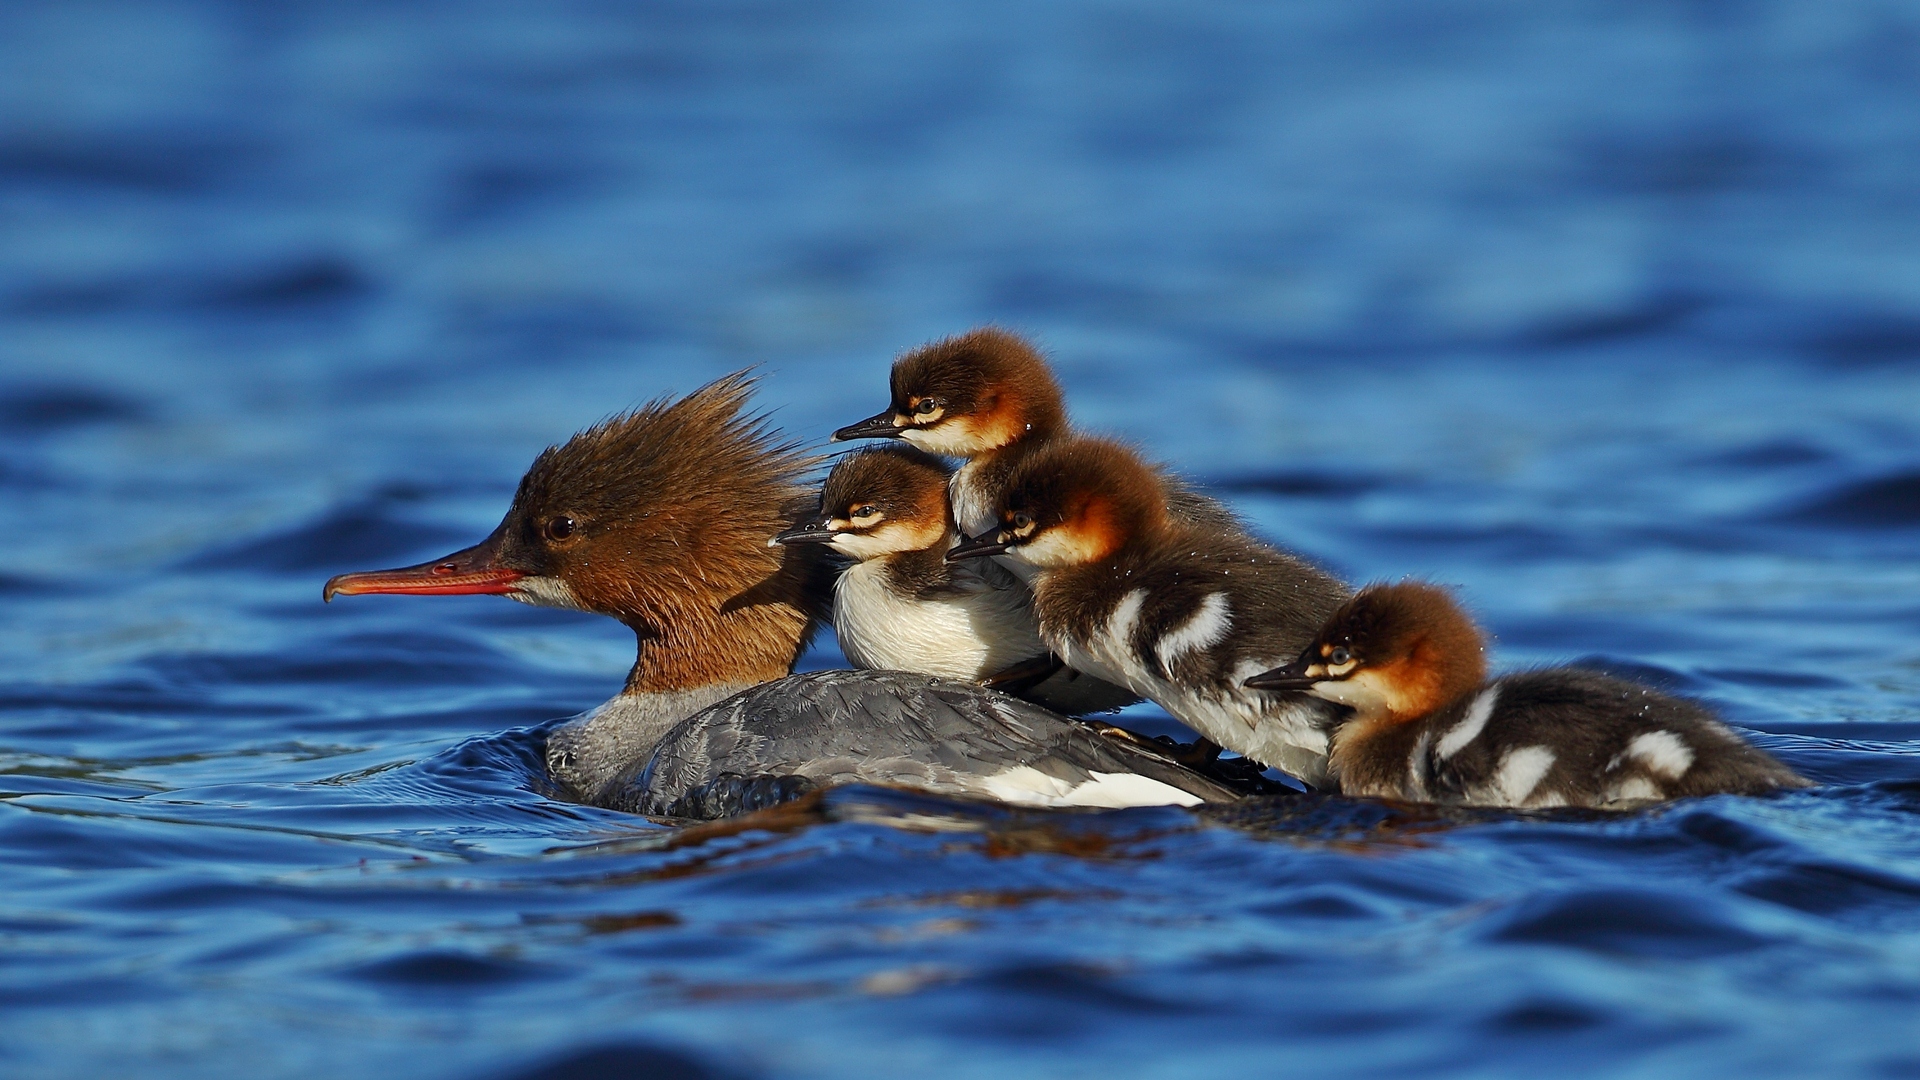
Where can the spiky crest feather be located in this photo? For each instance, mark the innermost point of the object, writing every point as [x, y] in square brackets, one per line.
[673, 503]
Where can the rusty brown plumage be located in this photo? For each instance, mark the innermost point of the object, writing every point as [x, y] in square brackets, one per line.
[659, 518]
[1418, 637]
[992, 387]
[673, 503]
[1098, 492]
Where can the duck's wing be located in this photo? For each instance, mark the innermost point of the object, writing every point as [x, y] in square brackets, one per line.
[908, 730]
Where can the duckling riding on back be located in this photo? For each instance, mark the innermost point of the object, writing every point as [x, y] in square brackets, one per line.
[1175, 611]
[902, 606]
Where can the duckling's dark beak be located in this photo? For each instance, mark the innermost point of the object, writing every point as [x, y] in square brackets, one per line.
[974, 547]
[476, 570]
[1291, 677]
[879, 426]
[807, 532]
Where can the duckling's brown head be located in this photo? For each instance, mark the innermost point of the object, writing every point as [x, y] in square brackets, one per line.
[1074, 502]
[968, 395]
[657, 517]
[1400, 650]
[877, 502]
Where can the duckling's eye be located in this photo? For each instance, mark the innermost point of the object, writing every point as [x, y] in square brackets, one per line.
[863, 512]
[559, 528]
[1339, 656]
[926, 407]
[1022, 520]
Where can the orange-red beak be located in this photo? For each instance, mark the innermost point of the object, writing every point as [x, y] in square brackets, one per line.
[463, 573]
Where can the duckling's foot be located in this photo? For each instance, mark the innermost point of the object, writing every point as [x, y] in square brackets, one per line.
[1198, 754]
[1244, 774]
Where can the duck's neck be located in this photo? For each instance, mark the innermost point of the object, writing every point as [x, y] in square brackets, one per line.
[695, 631]
[751, 642]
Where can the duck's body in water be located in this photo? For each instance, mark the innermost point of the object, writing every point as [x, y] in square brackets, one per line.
[660, 518]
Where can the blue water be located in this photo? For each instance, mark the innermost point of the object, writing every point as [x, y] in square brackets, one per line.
[1607, 313]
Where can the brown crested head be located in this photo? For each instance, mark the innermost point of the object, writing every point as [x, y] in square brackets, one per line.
[657, 517]
[1401, 649]
[881, 501]
[969, 395]
[1075, 502]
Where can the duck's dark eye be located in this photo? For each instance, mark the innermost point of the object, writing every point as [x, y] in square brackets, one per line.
[925, 406]
[863, 512]
[1022, 519]
[1339, 656]
[559, 528]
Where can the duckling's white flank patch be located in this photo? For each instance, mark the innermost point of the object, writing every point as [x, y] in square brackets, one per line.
[1125, 617]
[1417, 768]
[1633, 788]
[1521, 771]
[1662, 752]
[1209, 624]
[1025, 785]
[1470, 727]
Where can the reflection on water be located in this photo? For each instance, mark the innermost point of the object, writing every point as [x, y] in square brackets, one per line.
[1608, 315]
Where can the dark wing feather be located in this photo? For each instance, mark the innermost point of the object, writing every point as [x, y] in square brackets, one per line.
[885, 727]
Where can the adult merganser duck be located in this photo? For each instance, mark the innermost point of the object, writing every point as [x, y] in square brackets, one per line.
[901, 606]
[1428, 726]
[1174, 611]
[659, 518]
[988, 396]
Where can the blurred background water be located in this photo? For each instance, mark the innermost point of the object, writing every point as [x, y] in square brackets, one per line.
[1607, 313]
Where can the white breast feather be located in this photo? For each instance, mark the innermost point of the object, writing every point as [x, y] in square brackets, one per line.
[969, 636]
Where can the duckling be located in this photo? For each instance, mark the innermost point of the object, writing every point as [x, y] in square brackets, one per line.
[901, 606]
[987, 396]
[1426, 724]
[659, 518]
[1173, 611]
